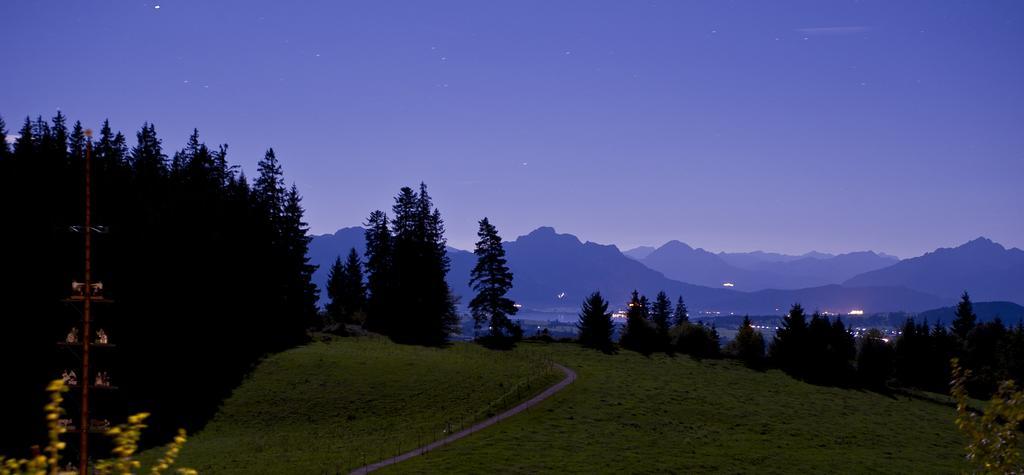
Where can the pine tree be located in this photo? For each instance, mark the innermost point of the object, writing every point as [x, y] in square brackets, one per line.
[790, 342]
[680, 315]
[269, 186]
[296, 239]
[965, 320]
[147, 156]
[748, 345]
[661, 314]
[335, 290]
[5, 150]
[595, 324]
[441, 320]
[842, 353]
[942, 347]
[76, 142]
[104, 149]
[25, 144]
[913, 354]
[354, 295]
[639, 333]
[59, 146]
[379, 268]
[44, 137]
[491, 279]
[423, 308]
[875, 360]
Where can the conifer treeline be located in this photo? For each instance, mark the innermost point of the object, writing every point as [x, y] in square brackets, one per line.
[207, 272]
[992, 351]
[823, 350]
[406, 264]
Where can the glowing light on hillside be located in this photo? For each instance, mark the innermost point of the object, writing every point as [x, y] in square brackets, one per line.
[856, 312]
[728, 284]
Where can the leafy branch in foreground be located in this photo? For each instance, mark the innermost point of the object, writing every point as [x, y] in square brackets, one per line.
[995, 437]
[126, 438]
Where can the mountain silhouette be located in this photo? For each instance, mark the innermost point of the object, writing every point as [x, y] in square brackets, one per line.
[984, 268]
[554, 272]
[324, 248]
[760, 270]
[639, 252]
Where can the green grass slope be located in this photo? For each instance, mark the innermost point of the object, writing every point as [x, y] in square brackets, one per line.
[630, 414]
[328, 407]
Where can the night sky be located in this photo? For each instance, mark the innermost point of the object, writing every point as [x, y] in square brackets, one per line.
[782, 126]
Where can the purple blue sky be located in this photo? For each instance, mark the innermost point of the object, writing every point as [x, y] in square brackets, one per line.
[730, 125]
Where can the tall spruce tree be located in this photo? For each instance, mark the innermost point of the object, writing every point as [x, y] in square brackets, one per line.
[965, 320]
[346, 290]
[491, 279]
[661, 314]
[335, 289]
[748, 345]
[5, 150]
[875, 360]
[25, 144]
[60, 136]
[354, 290]
[595, 324]
[104, 150]
[269, 187]
[148, 157]
[295, 233]
[680, 315]
[842, 353]
[639, 334]
[442, 318]
[76, 142]
[379, 268]
[424, 307]
[789, 346]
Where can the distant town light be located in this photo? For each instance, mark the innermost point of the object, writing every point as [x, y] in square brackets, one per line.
[728, 284]
[856, 312]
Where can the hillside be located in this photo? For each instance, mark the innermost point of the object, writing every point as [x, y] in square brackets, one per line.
[326, 407]
[331, 407]
[984, 268]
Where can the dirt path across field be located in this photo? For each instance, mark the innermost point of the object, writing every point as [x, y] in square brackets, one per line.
[570, 376]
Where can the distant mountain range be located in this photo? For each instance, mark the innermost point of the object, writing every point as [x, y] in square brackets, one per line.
[759, 270]
[986, 269]
[324, 248]
[554, 272]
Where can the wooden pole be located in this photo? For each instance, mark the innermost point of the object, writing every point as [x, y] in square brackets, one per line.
[83, 456]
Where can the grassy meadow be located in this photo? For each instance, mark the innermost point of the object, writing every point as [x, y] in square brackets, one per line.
[630, 414]
[327, 407]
